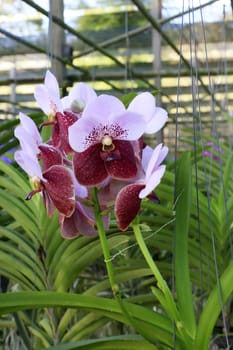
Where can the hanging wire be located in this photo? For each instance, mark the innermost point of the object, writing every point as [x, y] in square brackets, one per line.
[208, 191]
[178, 92]
[195, 107]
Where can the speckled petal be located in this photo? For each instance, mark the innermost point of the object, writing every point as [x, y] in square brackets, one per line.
[60, 188]
[89, 168]
[127, 205]
[50, 156]
[124, 167]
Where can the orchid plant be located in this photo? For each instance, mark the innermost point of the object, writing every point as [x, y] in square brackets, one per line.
[95, 143]
[91, 167]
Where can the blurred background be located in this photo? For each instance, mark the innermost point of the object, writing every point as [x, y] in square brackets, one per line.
[182, 48]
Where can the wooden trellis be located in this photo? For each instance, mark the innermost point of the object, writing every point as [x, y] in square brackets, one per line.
[111, 67]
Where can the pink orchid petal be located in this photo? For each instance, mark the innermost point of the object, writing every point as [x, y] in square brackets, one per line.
[102, 107]
[127, 205]
[27, 142]
[29, 125]
[60, 188]
[157, 121]
[80, 190]
[143, 104]
[89, 168]
[157, 157]
[47, 95]
[132, 123]
[146, 156]
[125, 167]
[66, 103]
[28, 163]
[78, 223]
[78, 133]
[82, 92]
[127, 126]
[155, 117]
[68, 226]
[51, 84]
[152, 182]
[42, 97]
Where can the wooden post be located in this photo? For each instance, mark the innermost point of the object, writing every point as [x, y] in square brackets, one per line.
[12, 74]
[56, 40]
[156, 49]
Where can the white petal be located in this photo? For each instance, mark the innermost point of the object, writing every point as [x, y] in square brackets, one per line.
[66, 103]
[146, 156]
[157, 157]
[82, 92]
[78, 133]
[152, 182]
[51, 84]
[157, 121]
[31, 128]
[143, 104]
[27, 142]
[42, 97]
[28, 163]
[132, 123]
[103, 107]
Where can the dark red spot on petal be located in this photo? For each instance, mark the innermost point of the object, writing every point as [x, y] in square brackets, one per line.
[89, 168]
[60, 188]
[122, 164]
[127, 205]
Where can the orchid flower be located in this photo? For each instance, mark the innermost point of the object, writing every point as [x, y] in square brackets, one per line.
[47, 96]
[102, 139]
[129, 198]
[155, 117]
[54, 181]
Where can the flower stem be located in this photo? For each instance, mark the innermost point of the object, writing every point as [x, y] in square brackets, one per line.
[104, 243]
[109, 266]
[162, 284]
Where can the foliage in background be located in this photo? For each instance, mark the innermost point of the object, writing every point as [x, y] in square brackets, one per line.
[59, 294]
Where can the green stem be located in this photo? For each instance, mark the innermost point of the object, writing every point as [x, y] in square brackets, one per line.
[162, 284]
[110, 270]
[104, 243]
[165, 296]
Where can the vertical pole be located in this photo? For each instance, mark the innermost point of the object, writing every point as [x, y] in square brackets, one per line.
[13, 89]
[56, 40]
[156, 49]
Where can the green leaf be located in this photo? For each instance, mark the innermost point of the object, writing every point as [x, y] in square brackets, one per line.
[213, 308]
[155, 326]
[122, 342]
[183, 202]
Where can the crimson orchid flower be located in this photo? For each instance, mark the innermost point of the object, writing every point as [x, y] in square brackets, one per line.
[54, 181]
[155, 117]
[102, 139]
[61, 112]
[129, 198]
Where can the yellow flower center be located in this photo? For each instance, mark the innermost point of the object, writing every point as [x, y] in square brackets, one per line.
[52, 116]
[35, 182]
[107, 144]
